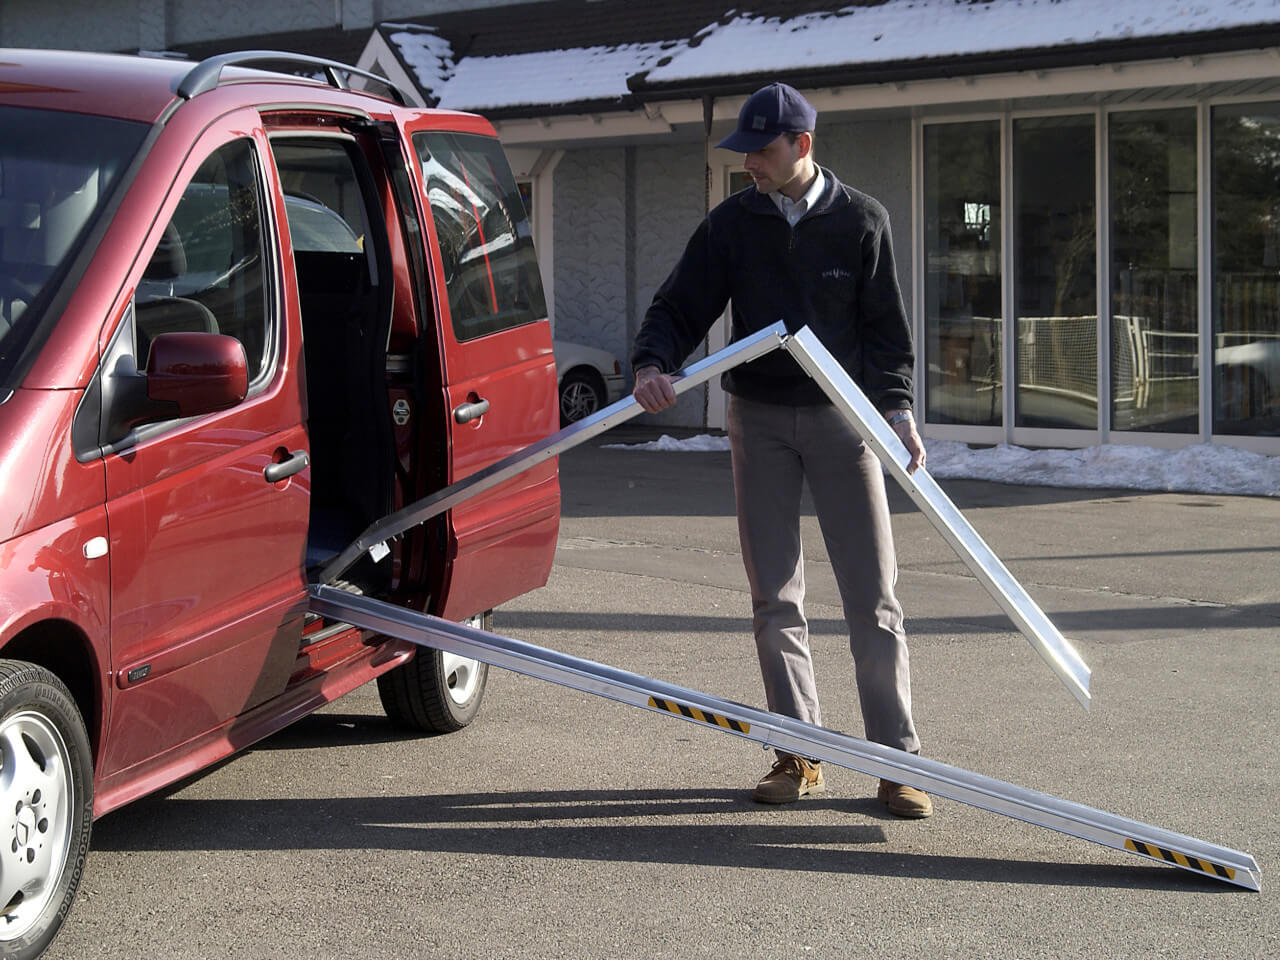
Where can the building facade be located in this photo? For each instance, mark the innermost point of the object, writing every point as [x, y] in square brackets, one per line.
[1085, 194]
[1086, 229]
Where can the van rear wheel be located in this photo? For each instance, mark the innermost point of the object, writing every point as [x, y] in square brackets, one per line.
[436, 692]
[46, 806]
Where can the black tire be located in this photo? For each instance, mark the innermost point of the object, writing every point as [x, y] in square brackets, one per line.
[46, 806]
[581, 394]
[435, 692]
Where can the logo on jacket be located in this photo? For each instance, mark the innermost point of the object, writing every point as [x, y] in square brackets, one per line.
[836, 273]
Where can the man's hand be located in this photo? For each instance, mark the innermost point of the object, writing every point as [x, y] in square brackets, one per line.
[653, 391]
[906, 431]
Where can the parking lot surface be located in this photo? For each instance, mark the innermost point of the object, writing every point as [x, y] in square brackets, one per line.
[562, 825]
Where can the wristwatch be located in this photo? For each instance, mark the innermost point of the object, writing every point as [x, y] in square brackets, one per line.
[899, 416]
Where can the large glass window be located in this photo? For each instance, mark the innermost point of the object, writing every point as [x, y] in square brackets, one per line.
[1055, 272]
[490, 270]
[962, 279]
[1154, 331]
[1246, 278]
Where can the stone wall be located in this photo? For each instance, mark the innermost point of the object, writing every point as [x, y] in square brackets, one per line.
[670, 200]
[71, 24]
[190, 22]
[589, 216]
[621, 217]
[127, 25]
[874, 156]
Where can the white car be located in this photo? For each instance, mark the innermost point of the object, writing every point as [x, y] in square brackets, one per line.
[1248, 377]
[590, 379]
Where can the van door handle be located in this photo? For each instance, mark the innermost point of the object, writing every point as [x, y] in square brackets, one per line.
[465, 412]
[296, 462]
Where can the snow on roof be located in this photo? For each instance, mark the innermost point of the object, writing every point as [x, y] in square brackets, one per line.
[427, 54]
[548, 76]
[900, 30]
[739, 43]
[1200, 468]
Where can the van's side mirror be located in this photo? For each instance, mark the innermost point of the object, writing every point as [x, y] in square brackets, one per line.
[196, 373]
[188, 374]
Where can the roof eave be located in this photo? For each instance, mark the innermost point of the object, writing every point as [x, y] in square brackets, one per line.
[576, 108]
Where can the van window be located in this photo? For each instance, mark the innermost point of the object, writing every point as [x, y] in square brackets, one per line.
[207, 273]
[490, 270]
[57, 174]
[316, 228]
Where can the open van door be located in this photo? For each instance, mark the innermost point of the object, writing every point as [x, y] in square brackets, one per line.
[497, 366]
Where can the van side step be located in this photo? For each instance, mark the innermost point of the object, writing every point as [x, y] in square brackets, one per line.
[793, 736]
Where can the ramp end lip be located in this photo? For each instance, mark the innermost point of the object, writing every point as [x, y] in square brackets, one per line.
[1082, 692]
[1071, 669]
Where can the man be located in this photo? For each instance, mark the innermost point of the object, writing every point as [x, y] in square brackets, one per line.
[803, 247]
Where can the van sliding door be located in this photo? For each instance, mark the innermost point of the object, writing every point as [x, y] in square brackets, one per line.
[495, 353]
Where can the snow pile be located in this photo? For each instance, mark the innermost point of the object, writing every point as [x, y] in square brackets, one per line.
[703, 443]
[1201, 468]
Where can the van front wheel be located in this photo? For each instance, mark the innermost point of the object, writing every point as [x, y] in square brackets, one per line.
[46, 806]
[436, 692]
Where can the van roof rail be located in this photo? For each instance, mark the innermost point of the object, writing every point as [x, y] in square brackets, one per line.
[207, 74]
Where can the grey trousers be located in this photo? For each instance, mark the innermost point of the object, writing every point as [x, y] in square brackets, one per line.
[776, 448]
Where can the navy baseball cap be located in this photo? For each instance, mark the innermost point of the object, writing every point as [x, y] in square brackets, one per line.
[769, 113]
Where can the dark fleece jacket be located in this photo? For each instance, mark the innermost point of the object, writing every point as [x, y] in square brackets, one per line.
[833, 272]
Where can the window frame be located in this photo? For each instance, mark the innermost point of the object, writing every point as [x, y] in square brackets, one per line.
[1008, 432]
[267, 251]
[271, 285]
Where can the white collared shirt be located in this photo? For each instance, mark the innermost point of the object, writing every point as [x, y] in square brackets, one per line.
[794, 210]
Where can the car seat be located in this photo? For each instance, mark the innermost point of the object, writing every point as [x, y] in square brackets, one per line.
[158, 309]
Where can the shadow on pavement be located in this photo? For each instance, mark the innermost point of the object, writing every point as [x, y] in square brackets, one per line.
[548, 824]
[1188, 617]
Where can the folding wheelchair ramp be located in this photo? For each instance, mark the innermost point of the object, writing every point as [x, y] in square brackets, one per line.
[770, 729]
[853, 404]
[793, 736]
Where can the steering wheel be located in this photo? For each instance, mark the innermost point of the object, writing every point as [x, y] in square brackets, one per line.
[11, 288]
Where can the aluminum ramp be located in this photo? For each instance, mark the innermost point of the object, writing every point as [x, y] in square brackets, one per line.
[774, 730]
[849, 399]
[794, 736]
[1056, 650]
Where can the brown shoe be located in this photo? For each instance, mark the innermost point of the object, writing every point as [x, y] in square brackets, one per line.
[790, 779]
[904, 801]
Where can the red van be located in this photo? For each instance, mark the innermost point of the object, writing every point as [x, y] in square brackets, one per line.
[243, 317]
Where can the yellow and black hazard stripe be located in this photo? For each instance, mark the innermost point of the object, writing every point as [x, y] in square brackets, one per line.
[693, 713]
[1182, 860]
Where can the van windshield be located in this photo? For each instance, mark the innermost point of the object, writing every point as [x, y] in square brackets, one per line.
[56, 173]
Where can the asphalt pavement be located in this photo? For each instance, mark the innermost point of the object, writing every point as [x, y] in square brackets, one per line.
[560, 825]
